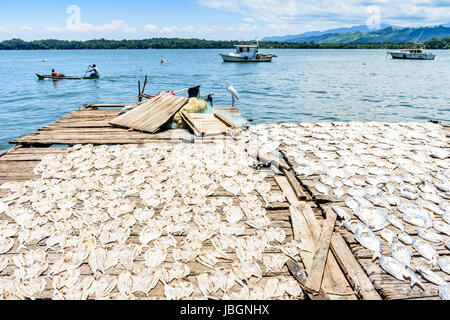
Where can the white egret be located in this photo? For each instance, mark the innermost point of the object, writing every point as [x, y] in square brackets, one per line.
[232, 91]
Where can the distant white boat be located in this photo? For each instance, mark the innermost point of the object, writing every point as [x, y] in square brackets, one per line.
[416, 54]
[413, 54]
[247, 53]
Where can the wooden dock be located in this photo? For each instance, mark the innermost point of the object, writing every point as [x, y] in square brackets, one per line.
[339, 266]
[387, 286]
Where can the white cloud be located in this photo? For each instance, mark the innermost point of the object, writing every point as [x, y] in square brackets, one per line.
[150, 27]
[322, 14]
[14, 30]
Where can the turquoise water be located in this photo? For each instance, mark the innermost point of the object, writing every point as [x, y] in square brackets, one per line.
[299, 85]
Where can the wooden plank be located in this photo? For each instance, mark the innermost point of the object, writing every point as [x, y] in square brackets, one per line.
[315, 277]
[333, 278]
[287, 190]
[191, 123]
[227, 122]
[300, 276]
[341, 285]
[152, 114]
[351, 267]
[163, 116]
[295, 184]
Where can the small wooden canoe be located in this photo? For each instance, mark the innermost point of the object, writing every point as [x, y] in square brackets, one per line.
[43, 77]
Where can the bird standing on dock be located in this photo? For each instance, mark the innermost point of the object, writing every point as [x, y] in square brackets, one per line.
[232, 91]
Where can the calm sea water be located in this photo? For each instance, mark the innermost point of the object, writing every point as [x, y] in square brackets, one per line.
[299, 85]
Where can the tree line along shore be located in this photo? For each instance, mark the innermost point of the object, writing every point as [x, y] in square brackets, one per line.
[177, 43]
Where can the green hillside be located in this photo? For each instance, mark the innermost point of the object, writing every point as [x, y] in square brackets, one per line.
[384, 35]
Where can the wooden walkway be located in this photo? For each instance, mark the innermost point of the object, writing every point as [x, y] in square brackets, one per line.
[298, 215]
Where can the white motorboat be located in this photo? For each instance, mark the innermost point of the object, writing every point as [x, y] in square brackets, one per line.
[247, 53]
[416, 54]
[413, 54]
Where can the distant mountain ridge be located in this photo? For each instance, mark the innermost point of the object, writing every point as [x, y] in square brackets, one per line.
[362, 34]
[362, 28]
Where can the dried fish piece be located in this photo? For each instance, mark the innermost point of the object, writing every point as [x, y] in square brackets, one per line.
[142, 215]
[322, 188]
[6, 245]
[443, 263]
[341, 212]
[274, 262]
[102, 287]
[370, 241]
[271, 288]
[125, 283]
[3, 207]
[233, 214]
[204, 284]
[401, 253]
[429, 235]
[396, 222]
[66, 279]
[145, 280]
[442, 227]
[417, 220]
[246, 270]
[4, 261]
[101, 260]
[148, 234]
[31, 288]
[290, 286]
[178, 290]
[431, 276]
[444, 292]
[222, 280]
[275, 234]
[154, 257]
[388, 235]
[426, 250]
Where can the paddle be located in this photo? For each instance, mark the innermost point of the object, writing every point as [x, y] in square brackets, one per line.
[86, 71]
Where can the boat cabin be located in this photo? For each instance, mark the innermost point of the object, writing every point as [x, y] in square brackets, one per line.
[247, 50]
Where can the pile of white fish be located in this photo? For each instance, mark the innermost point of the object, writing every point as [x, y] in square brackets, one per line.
[146, 211]
[393, 177]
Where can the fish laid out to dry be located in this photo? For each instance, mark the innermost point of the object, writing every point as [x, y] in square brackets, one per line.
[146, 211]
[392, 177]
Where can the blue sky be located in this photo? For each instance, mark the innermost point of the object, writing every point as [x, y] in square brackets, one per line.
[210, 19]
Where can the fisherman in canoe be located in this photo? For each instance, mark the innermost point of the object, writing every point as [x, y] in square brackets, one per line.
[57, 75]
[94, 70]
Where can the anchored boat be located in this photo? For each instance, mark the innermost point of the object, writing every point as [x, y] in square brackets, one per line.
[247, 53]
[413, 54]
[43, 77]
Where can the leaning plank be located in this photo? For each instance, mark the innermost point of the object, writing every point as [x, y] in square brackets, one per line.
[151, 115]
[295, 184]
[287, 190]
[351, 267]
[227, 122]
[341, 285]
[333, 278]
[315, 278]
